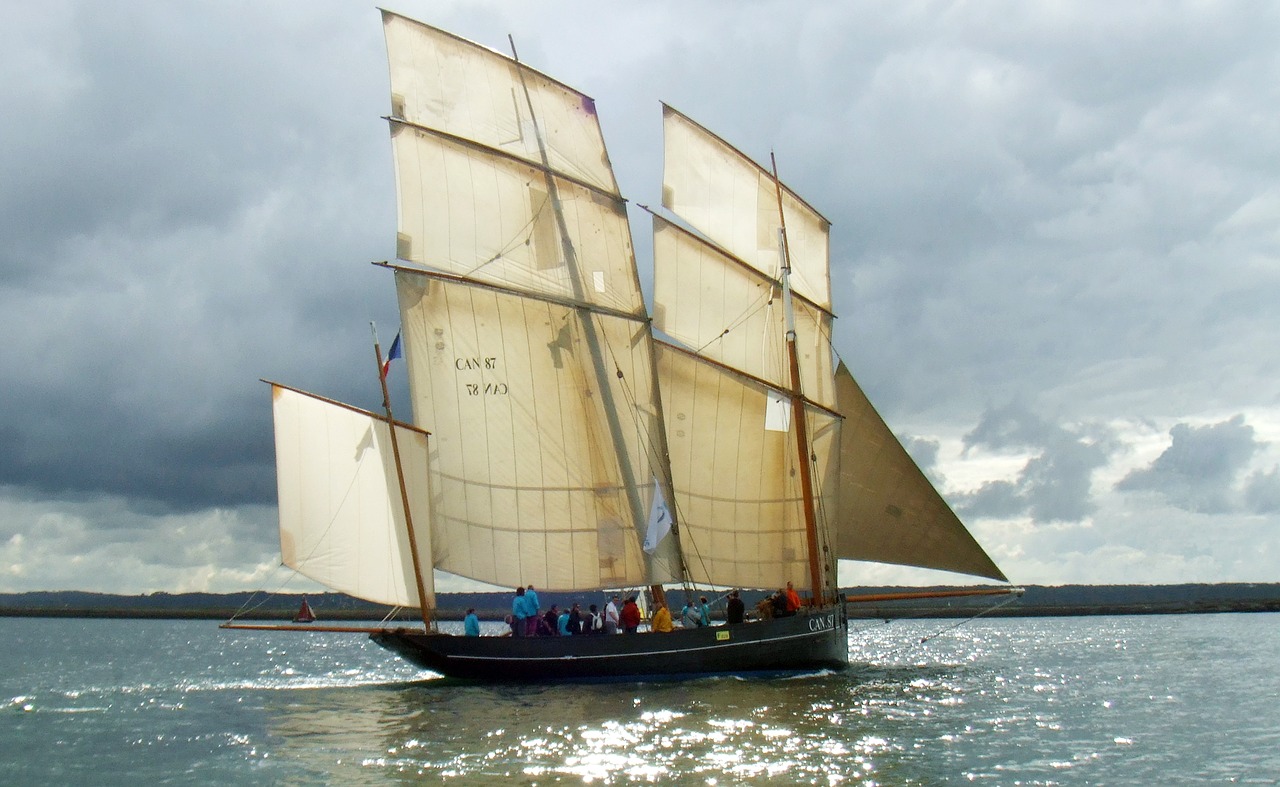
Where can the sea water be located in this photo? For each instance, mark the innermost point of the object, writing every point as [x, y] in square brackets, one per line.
[1093, 700]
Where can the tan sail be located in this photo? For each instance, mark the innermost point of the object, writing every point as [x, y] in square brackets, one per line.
[735, 476]
[889, 512]
[528, 477]
[472, 212]
[731, 313]
[341, 515]
[535, 363]
[732, 200]
[468, 91]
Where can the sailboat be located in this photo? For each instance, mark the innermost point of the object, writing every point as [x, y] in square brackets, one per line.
[304, 613]
[566, 437]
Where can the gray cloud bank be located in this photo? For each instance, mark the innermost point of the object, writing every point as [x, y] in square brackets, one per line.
[1072, 210]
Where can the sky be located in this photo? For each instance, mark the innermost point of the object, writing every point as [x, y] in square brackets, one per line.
[1055, 256]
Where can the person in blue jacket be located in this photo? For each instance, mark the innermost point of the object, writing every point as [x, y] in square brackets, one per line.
[518, 614]
[531, 610]
[471, 623]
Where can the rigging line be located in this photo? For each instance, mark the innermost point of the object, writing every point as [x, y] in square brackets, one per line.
[522, 236]
[245, 608]
[970, 619]
[651, 450]
[764, 302]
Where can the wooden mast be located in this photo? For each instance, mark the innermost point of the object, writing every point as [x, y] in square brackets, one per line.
[798, 406]
[404, 491]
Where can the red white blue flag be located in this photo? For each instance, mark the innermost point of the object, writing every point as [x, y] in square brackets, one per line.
[392, 354]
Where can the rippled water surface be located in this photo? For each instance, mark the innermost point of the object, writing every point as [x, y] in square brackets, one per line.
[1120, 700]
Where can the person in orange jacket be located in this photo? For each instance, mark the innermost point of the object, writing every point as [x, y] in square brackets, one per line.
[793, 600]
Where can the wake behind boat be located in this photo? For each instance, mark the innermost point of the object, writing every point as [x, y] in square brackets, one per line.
[555, 439]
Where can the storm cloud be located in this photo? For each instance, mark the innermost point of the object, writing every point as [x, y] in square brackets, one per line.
[1055, 245]
[1200, 469]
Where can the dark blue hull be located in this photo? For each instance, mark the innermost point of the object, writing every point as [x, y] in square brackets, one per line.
[802, 643]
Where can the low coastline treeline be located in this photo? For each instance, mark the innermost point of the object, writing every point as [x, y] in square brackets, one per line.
[1033, 602]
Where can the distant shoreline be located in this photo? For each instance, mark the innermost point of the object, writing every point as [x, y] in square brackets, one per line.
[1036, 601]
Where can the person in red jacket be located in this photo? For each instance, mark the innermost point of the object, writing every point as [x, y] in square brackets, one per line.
[630, 616]
[793, 600]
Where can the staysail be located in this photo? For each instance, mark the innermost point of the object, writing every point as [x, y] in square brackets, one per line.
[342, 520]
[888, 511]
[529, 355]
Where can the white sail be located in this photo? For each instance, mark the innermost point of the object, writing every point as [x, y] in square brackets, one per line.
[562, 436]
[341, 514]
[532, 363]
[539, 474]
[443, 82]
[468, 211]
[734, 202]
[736, 480]
[731, 313]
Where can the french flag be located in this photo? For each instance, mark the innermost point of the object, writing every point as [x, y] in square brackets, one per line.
[392, 354]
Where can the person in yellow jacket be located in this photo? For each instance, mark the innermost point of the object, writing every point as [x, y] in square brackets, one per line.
[661, 618]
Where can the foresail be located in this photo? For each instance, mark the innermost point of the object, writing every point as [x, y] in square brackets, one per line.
[341, 515]
[730, 199]
[889, 512]
[535, 479]
[734, 473]
[727, 311]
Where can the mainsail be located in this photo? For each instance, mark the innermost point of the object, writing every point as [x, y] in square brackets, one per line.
[529, 353]
[735, 453]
